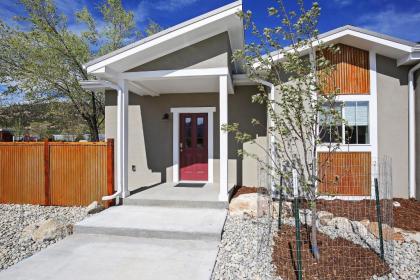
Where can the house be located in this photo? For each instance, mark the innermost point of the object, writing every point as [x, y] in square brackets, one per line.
[168, 95]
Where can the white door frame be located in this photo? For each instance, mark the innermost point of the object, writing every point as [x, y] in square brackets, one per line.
[175, 139]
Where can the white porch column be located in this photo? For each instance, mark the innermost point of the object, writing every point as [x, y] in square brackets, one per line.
[223, 111]
[122, 139]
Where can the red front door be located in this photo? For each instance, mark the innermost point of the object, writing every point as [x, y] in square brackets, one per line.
[193, 147]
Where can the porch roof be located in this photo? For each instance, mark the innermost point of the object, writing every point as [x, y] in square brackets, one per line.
[224, 19]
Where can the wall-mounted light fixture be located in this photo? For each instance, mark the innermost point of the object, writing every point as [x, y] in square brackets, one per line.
[165, 116]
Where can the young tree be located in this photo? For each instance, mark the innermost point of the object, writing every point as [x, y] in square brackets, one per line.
[44, 60]
[301, 115]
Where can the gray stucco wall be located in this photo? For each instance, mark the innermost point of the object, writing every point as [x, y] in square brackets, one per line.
[150, 136]
[393, 120]
[210, 53]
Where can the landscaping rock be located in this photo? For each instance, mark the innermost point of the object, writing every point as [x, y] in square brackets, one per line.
[413, 236]
[18, 224]
[305, 216]
[252, 204]
[387, 231]
[286, 209]
[340, 223]
[94, 208]
[324, 217]
[360, 229]
[48, 230]
[396, 204]
[365, 222]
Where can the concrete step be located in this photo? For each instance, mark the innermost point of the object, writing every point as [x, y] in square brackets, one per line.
[156, 222]
[175, 203]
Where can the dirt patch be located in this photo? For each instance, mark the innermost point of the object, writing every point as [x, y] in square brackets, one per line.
[238, 190]
[340, 258]
[406, 217]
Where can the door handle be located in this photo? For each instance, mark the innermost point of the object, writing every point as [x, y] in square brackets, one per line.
[180, 146]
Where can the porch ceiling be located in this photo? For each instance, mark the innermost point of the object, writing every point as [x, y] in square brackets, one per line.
[180, 85]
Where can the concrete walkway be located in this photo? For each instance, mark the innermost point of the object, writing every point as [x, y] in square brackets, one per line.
[108, 257]
[152, 242]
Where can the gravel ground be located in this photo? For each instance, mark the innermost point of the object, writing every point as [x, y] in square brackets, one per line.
[246, 247]
[15, 245]
[245, 250]
[406, 264]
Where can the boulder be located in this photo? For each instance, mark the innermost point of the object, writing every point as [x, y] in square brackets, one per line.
[48, 230]
[396, 204]
[413, 236]
[387, 231]
[286, 209]
[28, 232]
[252, 204]
[305, 216]
[94, 208]
[341, 223]
[360, 229]
[365, 222]
[324, 217]
[398, 236]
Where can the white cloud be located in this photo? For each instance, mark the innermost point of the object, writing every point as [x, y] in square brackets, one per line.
[402, 24]
[146, 7]
[343, 3]
[173, 5]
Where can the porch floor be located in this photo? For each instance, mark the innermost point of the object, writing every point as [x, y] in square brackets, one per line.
[201, 195]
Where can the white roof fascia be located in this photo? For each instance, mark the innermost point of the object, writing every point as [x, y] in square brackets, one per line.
[374, 37]
[409, 59]
[152, 41]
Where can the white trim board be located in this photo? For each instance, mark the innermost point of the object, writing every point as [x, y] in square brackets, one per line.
[175, 139]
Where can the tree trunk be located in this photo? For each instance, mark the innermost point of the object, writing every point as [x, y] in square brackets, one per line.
[314, 241]
[94, 132]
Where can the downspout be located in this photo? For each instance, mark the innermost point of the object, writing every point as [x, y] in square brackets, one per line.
[271, 122]
[119, 139]
[412, 131]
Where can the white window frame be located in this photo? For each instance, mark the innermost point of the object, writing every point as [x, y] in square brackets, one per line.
[175, 140]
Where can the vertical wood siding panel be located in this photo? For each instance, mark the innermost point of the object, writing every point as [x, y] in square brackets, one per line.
[345, 173]
[351, 73]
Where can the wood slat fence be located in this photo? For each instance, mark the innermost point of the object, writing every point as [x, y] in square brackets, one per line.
[56, 173]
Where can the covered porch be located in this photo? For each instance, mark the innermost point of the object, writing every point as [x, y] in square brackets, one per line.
[178, 86]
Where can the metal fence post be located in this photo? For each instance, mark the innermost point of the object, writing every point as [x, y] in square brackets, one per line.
[280, 203]
[297, 224]
[379, 217]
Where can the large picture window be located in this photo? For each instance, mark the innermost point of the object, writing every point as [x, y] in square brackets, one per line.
[355, 129]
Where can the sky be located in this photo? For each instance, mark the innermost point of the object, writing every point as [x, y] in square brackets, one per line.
[399, 18]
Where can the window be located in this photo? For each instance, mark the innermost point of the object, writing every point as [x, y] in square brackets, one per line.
[356, 114]
[355, 130]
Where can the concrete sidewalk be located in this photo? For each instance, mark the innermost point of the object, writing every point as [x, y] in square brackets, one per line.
[109, 257]
[132, 242]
